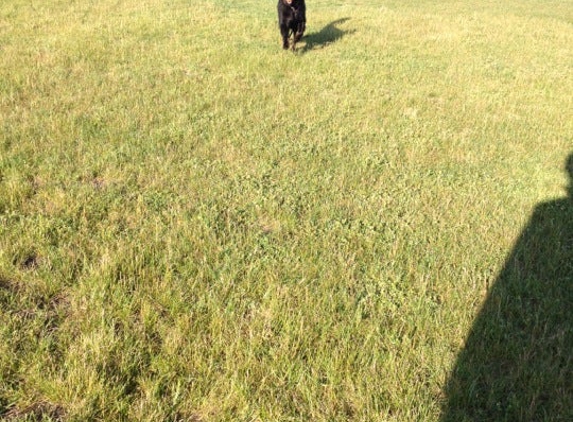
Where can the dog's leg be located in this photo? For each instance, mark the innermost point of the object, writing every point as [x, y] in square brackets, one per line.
[298, 33]
[284, 35]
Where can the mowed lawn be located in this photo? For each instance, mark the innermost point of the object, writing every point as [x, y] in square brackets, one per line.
[196, 225]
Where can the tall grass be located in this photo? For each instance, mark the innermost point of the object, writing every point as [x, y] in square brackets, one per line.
[196, 225]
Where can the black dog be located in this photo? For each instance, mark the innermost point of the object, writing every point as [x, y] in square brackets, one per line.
[292, 19]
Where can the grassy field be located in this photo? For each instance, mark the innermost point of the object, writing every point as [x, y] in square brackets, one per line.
[198, 226]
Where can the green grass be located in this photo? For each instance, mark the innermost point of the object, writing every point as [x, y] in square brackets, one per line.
[196, 225]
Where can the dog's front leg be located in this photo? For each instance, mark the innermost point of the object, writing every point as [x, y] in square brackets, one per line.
[284, 35]
[298, 33]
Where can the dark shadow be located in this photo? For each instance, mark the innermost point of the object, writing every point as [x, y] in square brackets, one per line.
[327, 35]
[517, 364]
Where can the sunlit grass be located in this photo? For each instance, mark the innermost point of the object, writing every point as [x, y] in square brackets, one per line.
[196, 225]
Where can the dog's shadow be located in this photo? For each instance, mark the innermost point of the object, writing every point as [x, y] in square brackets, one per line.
[327, 35]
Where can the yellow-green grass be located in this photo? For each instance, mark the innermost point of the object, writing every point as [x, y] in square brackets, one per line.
[197, 225]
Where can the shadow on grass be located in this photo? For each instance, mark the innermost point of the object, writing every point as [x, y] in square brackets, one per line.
[517, 364]
[327, 35]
